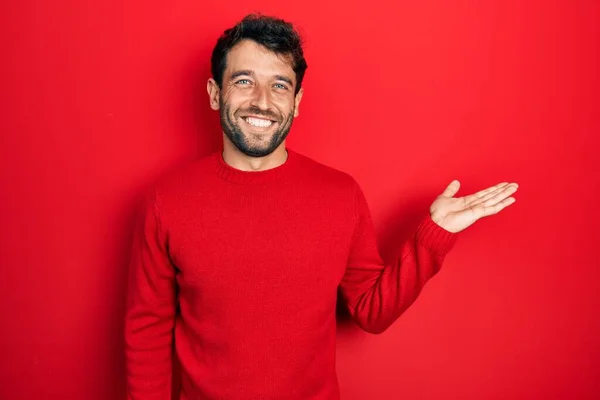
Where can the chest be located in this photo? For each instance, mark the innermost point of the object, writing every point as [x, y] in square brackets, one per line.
[262, 248]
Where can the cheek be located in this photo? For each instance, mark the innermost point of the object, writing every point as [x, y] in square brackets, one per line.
[234, 97]
[231, 103]
[285, 105]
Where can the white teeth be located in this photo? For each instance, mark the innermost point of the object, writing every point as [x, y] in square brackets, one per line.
[263, 123]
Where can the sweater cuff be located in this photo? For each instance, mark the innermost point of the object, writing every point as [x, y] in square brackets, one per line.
[434, 237]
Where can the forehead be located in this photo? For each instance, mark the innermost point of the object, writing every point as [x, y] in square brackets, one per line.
[249, 55]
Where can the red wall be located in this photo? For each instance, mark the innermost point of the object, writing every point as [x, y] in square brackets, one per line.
[99, 98]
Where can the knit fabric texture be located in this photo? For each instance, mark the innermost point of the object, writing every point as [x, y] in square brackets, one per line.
[238, 273]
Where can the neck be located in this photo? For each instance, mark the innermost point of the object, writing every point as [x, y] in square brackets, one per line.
[238, 160]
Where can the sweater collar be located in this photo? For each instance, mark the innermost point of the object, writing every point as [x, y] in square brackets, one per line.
[238, 176]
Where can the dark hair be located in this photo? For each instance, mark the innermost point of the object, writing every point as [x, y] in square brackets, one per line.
[275, 34]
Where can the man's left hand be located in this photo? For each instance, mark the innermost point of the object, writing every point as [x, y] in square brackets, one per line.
[457, 213]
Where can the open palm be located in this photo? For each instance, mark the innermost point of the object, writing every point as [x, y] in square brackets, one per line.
[457, 213]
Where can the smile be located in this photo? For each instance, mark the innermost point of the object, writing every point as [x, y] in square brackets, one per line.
[258, 122]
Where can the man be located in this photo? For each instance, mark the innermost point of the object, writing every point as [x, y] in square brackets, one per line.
[238, 258]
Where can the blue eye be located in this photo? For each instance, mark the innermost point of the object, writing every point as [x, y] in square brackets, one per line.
[243, 80]
[280, 86]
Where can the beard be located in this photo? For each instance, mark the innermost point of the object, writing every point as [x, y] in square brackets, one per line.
[245, 142]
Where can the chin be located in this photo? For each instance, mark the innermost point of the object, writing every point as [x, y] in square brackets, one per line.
[258, 153]
[255, 151]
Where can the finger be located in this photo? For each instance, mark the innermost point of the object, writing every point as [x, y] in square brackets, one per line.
[482, 211]
[502, 192]
[452, 189]
[473, 197]
[488, 195]
[502, 195]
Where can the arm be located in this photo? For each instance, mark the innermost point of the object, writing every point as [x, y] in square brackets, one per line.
[377, 294]
[150, 309]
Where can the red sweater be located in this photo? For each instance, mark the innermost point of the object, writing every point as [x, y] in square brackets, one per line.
[238, 272]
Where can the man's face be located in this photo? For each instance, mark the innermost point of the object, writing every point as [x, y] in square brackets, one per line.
[256, 101]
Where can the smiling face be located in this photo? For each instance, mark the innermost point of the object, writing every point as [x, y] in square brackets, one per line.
[256, 101]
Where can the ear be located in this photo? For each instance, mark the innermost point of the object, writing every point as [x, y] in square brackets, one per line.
[213, 93]
[297, 101]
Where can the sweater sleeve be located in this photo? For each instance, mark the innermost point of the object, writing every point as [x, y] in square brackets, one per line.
[150, 309]
[377, 294]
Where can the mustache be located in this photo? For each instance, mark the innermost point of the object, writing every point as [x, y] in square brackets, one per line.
[263, 113]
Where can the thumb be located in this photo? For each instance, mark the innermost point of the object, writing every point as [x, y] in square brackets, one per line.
[452, 189]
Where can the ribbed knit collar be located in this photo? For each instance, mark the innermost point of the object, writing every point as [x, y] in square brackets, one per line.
[238, 176]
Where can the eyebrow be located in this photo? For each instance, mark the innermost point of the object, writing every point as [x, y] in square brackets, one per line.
[241, 73]
[284, 79]
[247, 72]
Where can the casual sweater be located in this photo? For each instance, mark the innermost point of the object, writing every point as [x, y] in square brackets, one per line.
[238, 272]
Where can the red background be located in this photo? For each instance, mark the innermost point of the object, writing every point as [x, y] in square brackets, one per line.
[99, 98]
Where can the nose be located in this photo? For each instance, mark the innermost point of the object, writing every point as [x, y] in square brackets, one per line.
[261, 97]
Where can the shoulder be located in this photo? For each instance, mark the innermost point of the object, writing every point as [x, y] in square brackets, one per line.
[325, 176]
[180, 182]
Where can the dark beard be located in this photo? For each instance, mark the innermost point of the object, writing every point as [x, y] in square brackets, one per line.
[236, 135]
